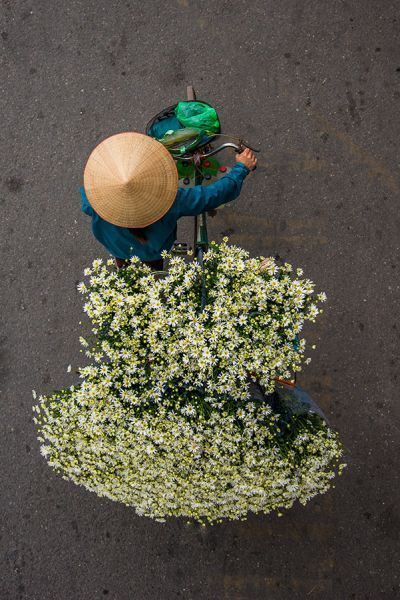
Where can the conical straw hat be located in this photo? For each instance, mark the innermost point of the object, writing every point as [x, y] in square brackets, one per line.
[130, 180]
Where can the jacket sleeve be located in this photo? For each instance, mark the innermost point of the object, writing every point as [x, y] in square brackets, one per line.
[194, 201]
[85, 206]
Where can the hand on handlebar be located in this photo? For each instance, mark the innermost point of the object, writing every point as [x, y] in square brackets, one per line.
[248, 158]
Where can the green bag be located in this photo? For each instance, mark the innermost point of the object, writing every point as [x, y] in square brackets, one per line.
[198, 114]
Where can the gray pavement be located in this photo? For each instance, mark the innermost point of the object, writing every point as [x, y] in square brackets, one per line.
[317, 84]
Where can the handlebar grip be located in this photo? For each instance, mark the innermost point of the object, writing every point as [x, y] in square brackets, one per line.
[241, 149]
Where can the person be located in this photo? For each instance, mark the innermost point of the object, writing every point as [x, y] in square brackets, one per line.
[130, 191]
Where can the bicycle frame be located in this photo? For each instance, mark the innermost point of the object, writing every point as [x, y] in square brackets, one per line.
[200, 221]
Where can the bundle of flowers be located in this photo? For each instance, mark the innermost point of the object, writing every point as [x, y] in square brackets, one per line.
[164, 419]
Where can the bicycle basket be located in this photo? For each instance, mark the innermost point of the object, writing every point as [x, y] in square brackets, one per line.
[166, 120]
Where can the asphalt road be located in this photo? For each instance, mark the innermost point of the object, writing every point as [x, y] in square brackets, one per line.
[315, 83]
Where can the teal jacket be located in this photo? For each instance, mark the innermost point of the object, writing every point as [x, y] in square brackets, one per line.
[161, 235]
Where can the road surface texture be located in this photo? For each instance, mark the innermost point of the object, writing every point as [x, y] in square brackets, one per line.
[317, 85]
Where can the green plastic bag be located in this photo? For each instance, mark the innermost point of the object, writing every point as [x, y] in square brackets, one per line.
[198, 114]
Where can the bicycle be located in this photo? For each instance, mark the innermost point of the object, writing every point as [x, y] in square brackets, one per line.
[195, 161]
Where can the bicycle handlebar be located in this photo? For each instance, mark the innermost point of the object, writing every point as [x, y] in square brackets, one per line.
[214, 151]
